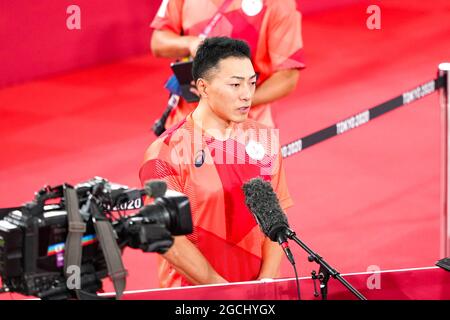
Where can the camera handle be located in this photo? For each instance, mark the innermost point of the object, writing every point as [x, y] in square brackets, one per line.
[106, 237]
[112, 254]
[111, 251]
[76, 229]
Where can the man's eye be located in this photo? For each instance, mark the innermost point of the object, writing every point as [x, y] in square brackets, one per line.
[253, 83]
[235, 85]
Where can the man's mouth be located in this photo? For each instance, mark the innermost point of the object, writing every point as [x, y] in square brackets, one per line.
[244, 109]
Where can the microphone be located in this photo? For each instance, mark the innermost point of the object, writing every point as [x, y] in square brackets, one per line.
[160, 124]
[262, 201]
[155, 188]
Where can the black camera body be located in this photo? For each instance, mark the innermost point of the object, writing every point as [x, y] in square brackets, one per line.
[33, 237]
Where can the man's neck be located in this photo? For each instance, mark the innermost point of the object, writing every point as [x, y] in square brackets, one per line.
[211, 123]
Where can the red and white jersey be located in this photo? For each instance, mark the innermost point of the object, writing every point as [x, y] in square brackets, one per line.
[211, 173]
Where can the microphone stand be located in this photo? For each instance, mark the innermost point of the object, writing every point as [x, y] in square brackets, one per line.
[325, 270]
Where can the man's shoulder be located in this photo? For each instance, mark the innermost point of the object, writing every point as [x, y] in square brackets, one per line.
[168, 139]
[170, 132]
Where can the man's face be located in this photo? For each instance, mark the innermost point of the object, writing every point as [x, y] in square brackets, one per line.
[230, 89]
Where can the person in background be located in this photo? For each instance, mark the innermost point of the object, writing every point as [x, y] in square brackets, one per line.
[272, 28]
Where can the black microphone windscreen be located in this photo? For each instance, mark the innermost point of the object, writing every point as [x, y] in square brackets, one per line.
[263, 202]
[155, 188]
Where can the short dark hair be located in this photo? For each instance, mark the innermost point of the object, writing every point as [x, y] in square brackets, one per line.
[214, 49]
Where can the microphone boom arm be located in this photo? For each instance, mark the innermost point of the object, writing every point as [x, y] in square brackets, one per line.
[325, 269]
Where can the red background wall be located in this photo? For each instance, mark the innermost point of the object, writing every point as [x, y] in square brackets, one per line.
[36, 42]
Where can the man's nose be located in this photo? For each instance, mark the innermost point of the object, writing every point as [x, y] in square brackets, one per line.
[247, 93]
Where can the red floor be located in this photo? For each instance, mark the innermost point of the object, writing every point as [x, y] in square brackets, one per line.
[368, 197]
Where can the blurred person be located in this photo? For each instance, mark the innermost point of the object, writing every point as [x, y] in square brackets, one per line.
[272, 28]
[209, 156]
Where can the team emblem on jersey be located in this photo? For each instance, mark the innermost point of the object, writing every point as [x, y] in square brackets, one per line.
[255, 150]
[199, 158]
[252, 7]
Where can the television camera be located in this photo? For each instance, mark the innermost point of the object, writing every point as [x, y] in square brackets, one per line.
[64, 242]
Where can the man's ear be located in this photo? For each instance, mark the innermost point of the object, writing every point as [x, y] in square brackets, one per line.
[202, 86]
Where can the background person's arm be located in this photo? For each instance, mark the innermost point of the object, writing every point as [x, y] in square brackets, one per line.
[167, 44]
[190, 263]
[278, 85]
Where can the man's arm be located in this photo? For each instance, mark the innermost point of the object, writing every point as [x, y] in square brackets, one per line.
[191, 263]
[271, 257]
[278, 85]
[167, 44]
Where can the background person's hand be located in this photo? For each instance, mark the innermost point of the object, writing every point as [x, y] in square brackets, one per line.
[193, 45]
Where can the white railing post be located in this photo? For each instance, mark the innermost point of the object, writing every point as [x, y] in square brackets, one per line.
[444, 71]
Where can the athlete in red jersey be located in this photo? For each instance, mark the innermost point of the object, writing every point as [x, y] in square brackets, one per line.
[209, 156]
[272, 29]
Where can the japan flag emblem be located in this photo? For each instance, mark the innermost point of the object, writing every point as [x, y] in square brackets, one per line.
[255, 150]
[252, 7]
